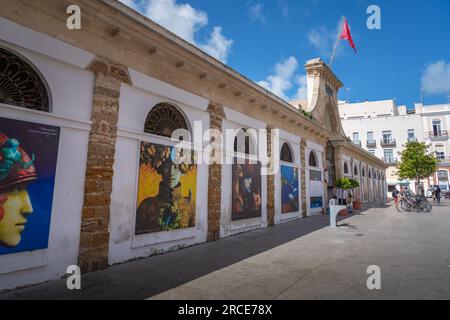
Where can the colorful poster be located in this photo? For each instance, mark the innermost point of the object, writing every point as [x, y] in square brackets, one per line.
[316, 202]
[289, 189]
[167, 190]
[246, 190]
[28, 156]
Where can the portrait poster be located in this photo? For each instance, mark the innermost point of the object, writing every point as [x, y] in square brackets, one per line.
[289, 189]
[246, 190]
[28, 159]
[167, 190]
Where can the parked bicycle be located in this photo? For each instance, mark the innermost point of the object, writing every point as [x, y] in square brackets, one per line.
[409, 203]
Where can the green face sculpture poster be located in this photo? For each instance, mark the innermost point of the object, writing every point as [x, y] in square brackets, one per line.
[28, 157]
[166, 191]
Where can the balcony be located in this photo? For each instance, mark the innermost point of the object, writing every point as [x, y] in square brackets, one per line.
[390, 160]
[412, 139]
[444, 160]
[371, 144]
[438, 135]
[358, 143]
[386, 143]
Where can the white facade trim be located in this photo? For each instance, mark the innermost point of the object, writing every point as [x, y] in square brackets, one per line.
[30, 39]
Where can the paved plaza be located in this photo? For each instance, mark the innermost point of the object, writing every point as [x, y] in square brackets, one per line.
[303, 259]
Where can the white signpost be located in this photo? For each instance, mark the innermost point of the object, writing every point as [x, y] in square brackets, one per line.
[334, 210]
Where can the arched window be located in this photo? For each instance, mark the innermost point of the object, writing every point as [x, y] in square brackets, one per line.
[286, 153]
[20, 83]
[370, 174]
[355, 171]
[249, 147]
[345, 168]
[313, 160]
[363, 172]
[163, 120]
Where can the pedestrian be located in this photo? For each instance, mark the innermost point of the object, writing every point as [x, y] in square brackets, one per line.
[438, 194]
[395, 195]
[342, 197]
[349, 200]
[433, 195]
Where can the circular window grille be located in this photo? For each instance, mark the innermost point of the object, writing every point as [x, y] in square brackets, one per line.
[20, 84]
[163, 120]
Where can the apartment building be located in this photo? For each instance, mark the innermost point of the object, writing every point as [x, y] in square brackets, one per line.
[383, 129]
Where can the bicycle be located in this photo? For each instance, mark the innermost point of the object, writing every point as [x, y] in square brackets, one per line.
[408, 203]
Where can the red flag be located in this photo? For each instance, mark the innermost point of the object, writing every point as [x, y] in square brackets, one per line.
[346, 35]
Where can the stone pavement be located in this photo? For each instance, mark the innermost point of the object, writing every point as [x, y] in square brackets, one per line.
[303, 259]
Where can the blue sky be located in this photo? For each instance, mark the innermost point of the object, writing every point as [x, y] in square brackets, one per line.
[269, 42]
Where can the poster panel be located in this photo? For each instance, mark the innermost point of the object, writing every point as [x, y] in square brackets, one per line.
[246, 190]
[166, 189]
[28, 158]
[289, 189]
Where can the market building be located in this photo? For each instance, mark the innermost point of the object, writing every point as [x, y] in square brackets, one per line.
[87, 175]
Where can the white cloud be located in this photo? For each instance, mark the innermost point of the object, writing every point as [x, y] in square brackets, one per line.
[181, 19]
[218, 46]
[302, 89]
[324, 39]
[285, 10]
[184, 21]
[436, 78]
[256, 13]
[281, 81]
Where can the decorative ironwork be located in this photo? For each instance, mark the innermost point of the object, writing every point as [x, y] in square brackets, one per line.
[163, 120]
[345, 168]
[249, 147]
[20, 84]
[286, 153]
[312, 160]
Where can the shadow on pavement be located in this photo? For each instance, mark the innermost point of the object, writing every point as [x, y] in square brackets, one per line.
[143, 278]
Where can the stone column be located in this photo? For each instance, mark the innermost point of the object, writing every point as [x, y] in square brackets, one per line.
[303, 176]
[94, 234]
[215, 176]
[270, 182]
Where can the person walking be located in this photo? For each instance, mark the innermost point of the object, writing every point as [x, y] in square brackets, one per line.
[437, 193]
[349, 200]
[395, 194]
[342, 197]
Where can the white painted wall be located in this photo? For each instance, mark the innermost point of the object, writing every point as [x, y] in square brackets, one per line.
[71, 90]
[135, 104]
[314, 188]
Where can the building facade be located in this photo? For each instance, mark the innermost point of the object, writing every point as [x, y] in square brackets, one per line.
[383, 129]
[90, 174]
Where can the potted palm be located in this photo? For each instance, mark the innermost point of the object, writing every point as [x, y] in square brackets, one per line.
[357, 204]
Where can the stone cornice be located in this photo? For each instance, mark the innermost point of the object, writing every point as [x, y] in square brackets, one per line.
[319, 67]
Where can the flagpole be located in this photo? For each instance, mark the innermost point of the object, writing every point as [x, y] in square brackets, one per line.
[337, 41]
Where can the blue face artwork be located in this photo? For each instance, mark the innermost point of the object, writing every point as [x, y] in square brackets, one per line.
[289, 189]
[41, 143]
[316, 202]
